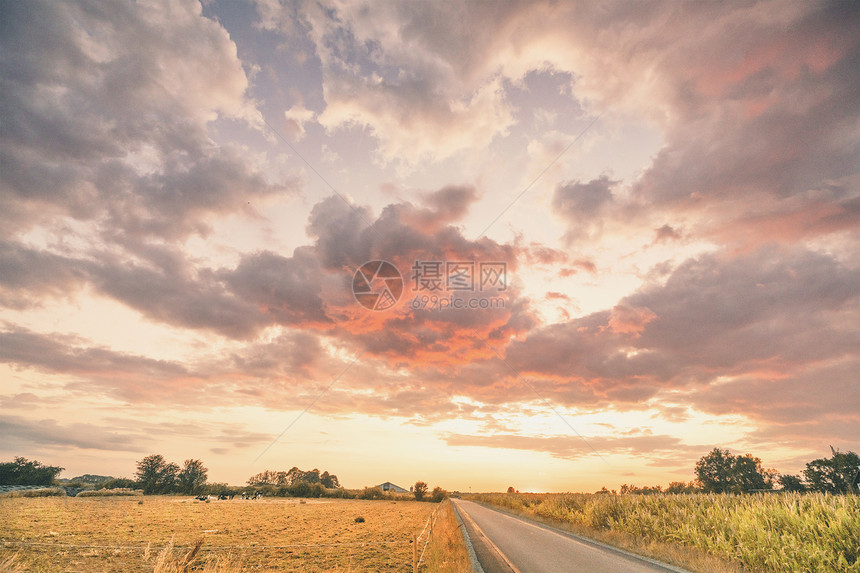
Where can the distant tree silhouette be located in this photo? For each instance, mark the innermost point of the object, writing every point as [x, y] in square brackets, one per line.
[721, 472]
[419, 490]
[293, 477]
[22, 471]
[833, 474]
[192, 477]
[792, 483]
[155, 475]
[438, 494]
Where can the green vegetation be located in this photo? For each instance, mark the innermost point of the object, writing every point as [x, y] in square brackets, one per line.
[294, 476]
[788, 532]
[108, 492]
[722, 472]
[22, 471]
[834, 474]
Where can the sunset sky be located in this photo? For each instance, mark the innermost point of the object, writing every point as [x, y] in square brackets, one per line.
[187, 191]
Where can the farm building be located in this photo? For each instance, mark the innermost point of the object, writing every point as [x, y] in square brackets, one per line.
[388, 486]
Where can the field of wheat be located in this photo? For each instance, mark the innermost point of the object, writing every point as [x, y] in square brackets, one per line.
[141, 534]
[763, 533]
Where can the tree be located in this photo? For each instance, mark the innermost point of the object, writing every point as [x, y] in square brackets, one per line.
[329, 480]
[438, 494]
[268, 477]
[192, 477]
[169, 477]
[721, 472]
[155, 475]
[511, 489]
[294, 477]
[22, 471]
[833, 474]
[419, 490]
[792, 483]
[680, 487]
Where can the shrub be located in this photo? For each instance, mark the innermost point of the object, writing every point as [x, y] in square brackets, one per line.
[118, 483]
[420, 490]
[42, 492]
[109, 492]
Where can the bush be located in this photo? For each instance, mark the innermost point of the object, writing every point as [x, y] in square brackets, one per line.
[118, 483]
[109, 492]
[305, 489]
[371, 493]
[419, 490]
[438, 494]
[41, 492]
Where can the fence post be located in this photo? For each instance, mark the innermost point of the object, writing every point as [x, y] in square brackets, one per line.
[414, 554]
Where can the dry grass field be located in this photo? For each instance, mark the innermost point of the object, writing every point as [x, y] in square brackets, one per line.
[122, 534]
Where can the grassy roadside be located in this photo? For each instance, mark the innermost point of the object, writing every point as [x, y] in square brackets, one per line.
[725, 533]
[689, 558]
[446, 551]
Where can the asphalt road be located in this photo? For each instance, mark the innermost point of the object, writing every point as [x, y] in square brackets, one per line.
[505, 544]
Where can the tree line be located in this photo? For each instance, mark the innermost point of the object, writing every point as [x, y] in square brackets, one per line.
[156, 475]
[720, 471]
[22, 471]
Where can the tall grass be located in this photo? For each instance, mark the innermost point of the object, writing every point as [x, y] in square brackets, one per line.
[765, 533]
[446, 550]
[168, 562]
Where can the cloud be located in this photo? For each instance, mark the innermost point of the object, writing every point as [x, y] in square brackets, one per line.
[766, 316]
[102, 122]
[23, 434]
[573, 447]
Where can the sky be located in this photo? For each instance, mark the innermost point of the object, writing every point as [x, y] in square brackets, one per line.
[547, 245]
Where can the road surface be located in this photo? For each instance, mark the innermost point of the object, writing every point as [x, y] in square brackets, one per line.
[505, 544]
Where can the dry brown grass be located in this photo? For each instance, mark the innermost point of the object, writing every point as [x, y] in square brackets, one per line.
[11, 564]
[120, 534]
[446, 551]
[42, 492]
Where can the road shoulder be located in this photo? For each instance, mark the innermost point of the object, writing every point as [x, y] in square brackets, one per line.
[585, 540]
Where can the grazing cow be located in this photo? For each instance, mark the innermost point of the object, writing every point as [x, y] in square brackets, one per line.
[202, 497]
